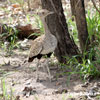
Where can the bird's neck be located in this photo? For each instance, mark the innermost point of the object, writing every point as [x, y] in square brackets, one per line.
[46, 29]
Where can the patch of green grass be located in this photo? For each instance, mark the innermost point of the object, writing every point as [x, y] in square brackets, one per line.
[88, 66]
[98, 97]
[36, 98]
[39, 23]
[39, 26]
[10, 34]
[63, 96]
[93, 22]
[84, 69]
[5, 95]
[73, 30]
[16, 1]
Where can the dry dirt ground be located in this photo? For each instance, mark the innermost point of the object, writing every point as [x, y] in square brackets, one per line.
[21, 79]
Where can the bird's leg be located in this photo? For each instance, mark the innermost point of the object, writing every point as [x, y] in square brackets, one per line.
[48, 70]
[37, 71]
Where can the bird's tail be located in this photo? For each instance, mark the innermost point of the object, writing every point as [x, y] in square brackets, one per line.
[30, 59]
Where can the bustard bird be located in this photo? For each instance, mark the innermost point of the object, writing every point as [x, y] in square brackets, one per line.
[44, 44]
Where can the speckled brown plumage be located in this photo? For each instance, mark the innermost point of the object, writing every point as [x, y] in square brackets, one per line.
[45, 43]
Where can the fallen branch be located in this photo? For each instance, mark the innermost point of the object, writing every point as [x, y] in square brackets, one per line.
[24, 31]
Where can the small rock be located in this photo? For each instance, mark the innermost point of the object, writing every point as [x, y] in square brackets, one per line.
[82, 98]
[60, 91]
[71, 99]
[28, 91]
[93, 91]
[24, 44]
[17, 97]
[28, 82]
[85, 84]
[98, 84]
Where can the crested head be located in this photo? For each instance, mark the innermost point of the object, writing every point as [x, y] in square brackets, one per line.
[44, 12]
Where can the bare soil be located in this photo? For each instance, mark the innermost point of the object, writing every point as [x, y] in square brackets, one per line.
[20, 77]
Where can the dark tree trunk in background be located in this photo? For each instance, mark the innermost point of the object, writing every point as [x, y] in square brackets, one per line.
[81, 24]
[58, 26]
[72, 7]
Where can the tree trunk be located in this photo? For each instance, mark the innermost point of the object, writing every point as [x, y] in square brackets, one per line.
[81, 24]
[57, 25]
[72, 7]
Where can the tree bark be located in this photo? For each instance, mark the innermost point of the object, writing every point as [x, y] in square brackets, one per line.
[72, 7]
[81, 24]
[58, 26]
